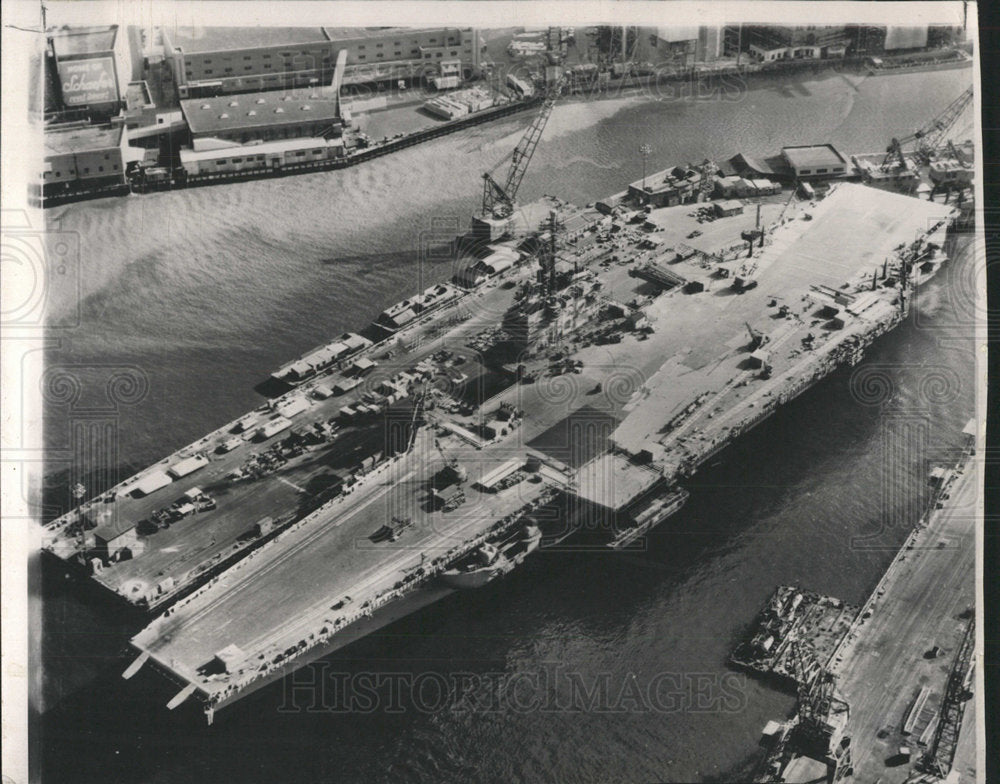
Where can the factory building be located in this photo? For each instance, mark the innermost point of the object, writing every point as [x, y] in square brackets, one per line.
[680, 46]
[90, 68]
[225, 60]
[79, 155]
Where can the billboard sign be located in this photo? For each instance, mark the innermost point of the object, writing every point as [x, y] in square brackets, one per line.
[87, 82]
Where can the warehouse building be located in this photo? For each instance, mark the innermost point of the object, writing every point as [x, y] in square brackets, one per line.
[815, 161]
[225, 60]
[266, 116]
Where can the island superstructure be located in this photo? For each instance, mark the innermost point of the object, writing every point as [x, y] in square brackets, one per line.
[588, 364]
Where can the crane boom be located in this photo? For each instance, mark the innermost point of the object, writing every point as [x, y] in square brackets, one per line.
[498, 200]
[929, 137]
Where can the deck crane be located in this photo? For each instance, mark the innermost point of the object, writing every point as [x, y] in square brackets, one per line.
[757, 339]
[417, 418]
[453, 466]
[498, 200]
[930, 137]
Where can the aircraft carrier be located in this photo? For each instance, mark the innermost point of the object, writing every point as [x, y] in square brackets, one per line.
[573, 376]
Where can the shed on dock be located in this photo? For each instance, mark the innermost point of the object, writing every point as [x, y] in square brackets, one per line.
[346, 385]
[363, 365]
[490, 480]
[728, 207]
[111, 538]
[150, 483]
[187, 466]
[292, 406]
[274, 427]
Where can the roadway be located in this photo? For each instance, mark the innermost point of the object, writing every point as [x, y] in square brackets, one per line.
[884, 663]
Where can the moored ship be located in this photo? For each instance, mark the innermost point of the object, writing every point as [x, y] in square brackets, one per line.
[490, 561]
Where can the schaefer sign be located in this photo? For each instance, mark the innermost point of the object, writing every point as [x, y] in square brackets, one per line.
[88, 81]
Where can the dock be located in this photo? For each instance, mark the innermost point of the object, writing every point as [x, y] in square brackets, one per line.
[900, 674]
[905, 664]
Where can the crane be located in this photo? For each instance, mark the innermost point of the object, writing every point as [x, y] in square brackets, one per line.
[757, 339]
[929, 137]
[418, 410]
[707, 183]
[498, 200]
[822, 715]
[453, 466]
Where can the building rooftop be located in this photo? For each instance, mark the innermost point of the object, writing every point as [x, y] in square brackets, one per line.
[811, 156]
[200, 40]
[252, 110]
[197, 40]
[68, 41]
[81, 138]
[137, 96]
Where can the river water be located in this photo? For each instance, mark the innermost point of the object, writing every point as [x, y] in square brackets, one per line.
[582, 666]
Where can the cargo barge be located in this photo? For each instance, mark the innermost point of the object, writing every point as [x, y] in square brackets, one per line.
[793, 617]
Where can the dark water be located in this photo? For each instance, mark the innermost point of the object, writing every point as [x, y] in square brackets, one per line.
[206, 291]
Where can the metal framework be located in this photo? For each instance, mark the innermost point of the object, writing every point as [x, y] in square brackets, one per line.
[930, 137]
[941, 753]
[707, 184]
[498, 200]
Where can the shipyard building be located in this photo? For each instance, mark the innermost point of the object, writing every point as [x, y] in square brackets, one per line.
[225, 60]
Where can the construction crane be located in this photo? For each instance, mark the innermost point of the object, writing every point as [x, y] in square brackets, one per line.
[547, 256]
[707, 184]
[418, 410]
[757, 339]
[791, 196]
[453, 466]
[930, 137]
[822, 716]
[498, 200]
